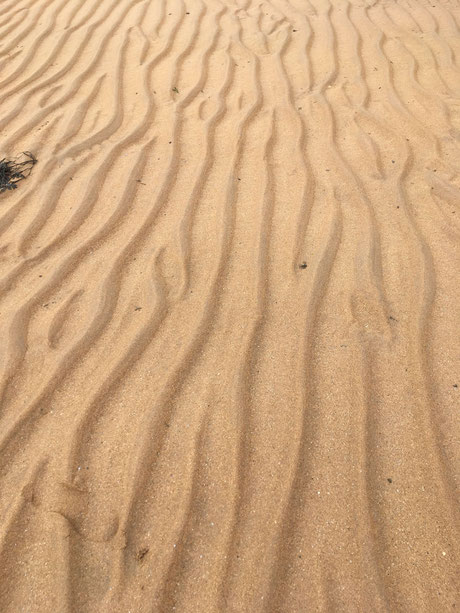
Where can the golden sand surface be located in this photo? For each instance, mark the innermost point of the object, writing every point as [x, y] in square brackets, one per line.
[230, 306]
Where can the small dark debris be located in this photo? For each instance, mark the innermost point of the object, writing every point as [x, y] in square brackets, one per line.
[303, 265]
[142, 553]
[390, 480]
[295, 30]
[175, 90]
[138, 308]
[12, 171]
[455, 385]
[139, 181]
[392, 161]
[392, 318]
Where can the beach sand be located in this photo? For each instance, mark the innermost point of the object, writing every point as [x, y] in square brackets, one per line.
[230, 306]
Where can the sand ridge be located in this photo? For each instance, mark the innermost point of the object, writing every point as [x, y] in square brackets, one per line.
[229, 306]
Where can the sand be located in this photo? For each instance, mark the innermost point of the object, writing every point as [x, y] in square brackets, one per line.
[230, 306]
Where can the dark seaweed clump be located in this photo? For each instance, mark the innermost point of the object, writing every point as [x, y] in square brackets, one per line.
[13, 171]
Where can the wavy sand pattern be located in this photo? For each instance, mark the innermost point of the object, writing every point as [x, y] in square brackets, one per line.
[230, 306]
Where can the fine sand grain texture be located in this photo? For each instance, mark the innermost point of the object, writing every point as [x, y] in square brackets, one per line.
[230, 306]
